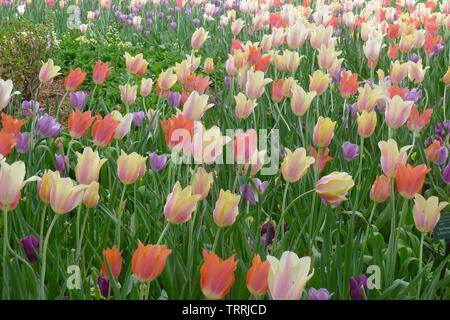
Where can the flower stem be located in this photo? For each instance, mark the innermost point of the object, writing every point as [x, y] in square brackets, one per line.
[44, 257]
[422, 236]
[163, 233]
[216, 239]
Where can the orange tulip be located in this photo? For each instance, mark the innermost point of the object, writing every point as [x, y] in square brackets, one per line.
[410, 179]
[216, 275]
[148, 261]
[419, 120]
[348, 84]
[257, 276]
[392, 52]
[381, 189]
[79, 123]
[74, 79]
[277, 92]
[321, 157]
[101, 72]
[103, 130]
[177, 130]
[10, 125]
[7, 143]
[114, 258]
[432, 151]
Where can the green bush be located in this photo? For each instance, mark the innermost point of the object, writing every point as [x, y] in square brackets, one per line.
[23, 47]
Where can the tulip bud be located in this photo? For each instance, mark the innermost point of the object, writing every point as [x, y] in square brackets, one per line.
[226, 209]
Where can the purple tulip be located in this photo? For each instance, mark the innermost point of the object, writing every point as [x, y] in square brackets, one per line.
[138, 118]
[146, 32]
[31, 108]
[30, 245]
[160, 15]
[23, 142]
[78, 99]
[268, 233]
[414, 95]
[103, 285]
[351, 110]
[260, 185]
[414, 58]
[196, 21]
[320, 294]
[61, 162]
[446, 174]
[149, 22]
[157, 163]
[227, 81]
[356, 286]
[174, 99]
[47, 126]
[173, 26]
[139, 28]
[149, 14]
[336, 78]
[350, 150]
[441, 158]
[97, 13]
[248, 193]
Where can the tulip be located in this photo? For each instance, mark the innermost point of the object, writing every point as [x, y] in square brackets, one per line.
[427, 212]
[237, 26]
[48, 72]
[209, 65]
[64, 196]
[196, 105]
[321, 294]
[368, 97]
[114, 258]
[333, 188]
[381, 189]
[178, 131]
[350, 150]
[166, 79]
[257, 276]
[157, 163]
[138, 118]
[78, 99]
[79, 123]
[323, 132]
[10, 125]
[74, 79]
[174, 99]
[88, 166]
[30, 245]
[321, 158]
[348, 84]
[397, 111]
[207, 144]
[47, 126]
[367, 122]
[390, 156]
[130, 167]
[128, 94]
[125, 124]
[372, 48]
[288, 276]
[417, 120]
[398, 72]
[31, 108]
[101, 72]
[446, 77]
[319, 82]
[6, 88]
[23, 142]
[295, 164]
[11, 182]
[216, 275]
[180, 204]
[326, 56]
[201, 183]
[7, 143]
[226, 209]
[415, 71]
[300, 100]
[446, 174]
[146, 87]
[244, 106]
[61, 162]
[198, 38]
[245, 146]
[148, 261]
[277, 93]
[103, 285]
[103, 130]
[410, 179]
[91, 196]
[433, 150]
[255, 84]
[357, 285]
[136, 65]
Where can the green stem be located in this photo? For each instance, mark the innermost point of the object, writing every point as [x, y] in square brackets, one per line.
[82, 234]
[422, 236]
[5, 242]
[60, 104]
[216, 239]
[44, 257]
[119, 216]
[163, 233]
